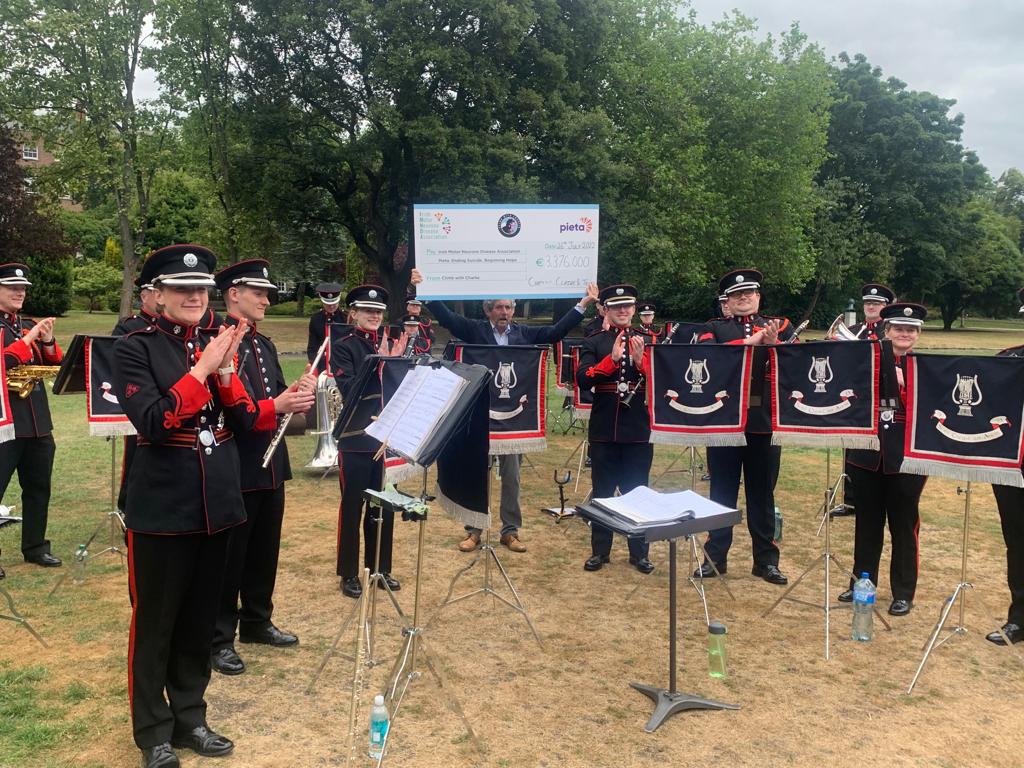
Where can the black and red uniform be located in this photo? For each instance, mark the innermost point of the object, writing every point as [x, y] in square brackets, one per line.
[758, 460]
[184, 495]
[319, 329]
[866, 330]
[31, 452]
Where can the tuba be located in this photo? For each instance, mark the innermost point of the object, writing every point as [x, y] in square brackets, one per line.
[328, 406]
[839, 331]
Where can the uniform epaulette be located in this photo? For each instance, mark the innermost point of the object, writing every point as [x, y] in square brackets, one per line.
[145, 329]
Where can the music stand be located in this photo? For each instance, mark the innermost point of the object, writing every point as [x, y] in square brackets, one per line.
[667, 701]
[14, 616]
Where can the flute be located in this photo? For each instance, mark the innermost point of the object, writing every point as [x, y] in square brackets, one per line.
[288, 416]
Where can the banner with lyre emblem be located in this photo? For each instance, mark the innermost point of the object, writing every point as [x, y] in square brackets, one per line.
[103, 411]
[825, 393]
[517, 392]
[697, 394]
[964, 418]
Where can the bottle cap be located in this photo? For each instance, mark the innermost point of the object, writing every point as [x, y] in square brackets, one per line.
[864, 575]
[378, 700]
[716, 628]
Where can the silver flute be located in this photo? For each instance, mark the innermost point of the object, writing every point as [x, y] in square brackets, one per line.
[279, 435]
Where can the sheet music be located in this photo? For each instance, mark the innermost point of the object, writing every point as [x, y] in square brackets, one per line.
[644, 505]
[418, 404]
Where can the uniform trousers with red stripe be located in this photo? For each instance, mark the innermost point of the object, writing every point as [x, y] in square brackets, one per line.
[175, 583]
[892, 498]
[1010, 502]
[359, 472]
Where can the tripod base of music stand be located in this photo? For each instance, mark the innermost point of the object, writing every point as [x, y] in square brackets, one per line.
[17, 618]
[667, 704]
[933, 641]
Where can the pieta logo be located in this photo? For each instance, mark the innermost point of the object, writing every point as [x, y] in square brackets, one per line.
[509, 225]
[585, 224]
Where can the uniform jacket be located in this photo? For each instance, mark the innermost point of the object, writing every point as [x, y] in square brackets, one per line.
[892, 428]
[873, 332]
[134, 323]
[734, 330]
[610, 420]
[594, 325]
[260, 372]
[177, 484]
[31, 414]
[480, 332]
[318, 323]
[347, 355]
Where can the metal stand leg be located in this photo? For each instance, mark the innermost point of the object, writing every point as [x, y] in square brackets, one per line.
[826, 559]
[698, 582]
[960, 591]
[17, 618]
[668, 701]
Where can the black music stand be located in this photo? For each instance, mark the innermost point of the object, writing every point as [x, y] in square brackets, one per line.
[14, 616]
[667, 701]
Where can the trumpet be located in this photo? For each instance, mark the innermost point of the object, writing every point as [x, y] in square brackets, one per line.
[23, 378]
[279, 435]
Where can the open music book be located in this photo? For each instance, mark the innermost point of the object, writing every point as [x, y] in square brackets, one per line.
[422, 400]
[645, 506]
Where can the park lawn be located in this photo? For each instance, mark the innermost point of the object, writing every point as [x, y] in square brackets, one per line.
[568, 704]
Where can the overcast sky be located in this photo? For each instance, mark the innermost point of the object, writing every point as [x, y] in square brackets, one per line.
[968, 50]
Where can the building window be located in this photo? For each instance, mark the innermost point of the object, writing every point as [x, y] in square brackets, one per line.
[29, 152]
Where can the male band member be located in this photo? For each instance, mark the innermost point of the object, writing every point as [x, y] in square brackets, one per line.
[419, 342]
[251, 570]
[149, 311]
[647, 325]
[499, 329]
[875, 297]
[1010, 502]
[27, 342]
[179, 388]
[321, 320]
[596, 323]
[360, 469]
[612, 362]
[883, 492]
[414, 308]
[758, 459]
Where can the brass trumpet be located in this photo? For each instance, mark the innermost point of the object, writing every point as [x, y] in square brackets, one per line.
[23, 378]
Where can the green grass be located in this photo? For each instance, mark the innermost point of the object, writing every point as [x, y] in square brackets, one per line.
[31, 720]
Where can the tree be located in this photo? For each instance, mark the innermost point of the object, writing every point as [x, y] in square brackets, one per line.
[70, 75]
[98, 282]
[1009, 198]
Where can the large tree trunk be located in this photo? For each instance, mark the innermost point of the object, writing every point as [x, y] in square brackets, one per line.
[130, 262]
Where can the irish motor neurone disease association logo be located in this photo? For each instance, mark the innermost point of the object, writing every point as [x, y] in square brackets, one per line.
[509, 225]
[434, 225]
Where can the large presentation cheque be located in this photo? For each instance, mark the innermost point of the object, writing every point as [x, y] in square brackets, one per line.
[505, 251]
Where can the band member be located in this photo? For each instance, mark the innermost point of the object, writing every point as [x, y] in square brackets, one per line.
[612, 362]
[180, 389]
[320, 322]
[251, 570]
[883, 492]
[499, 329]
[647, 325]
[875, 297]
[758, 460]
[149, 311]
[419, 342]
[596, 323]
[722, 308]
[30, 453]
[1010, 502]
[356, 452]
[414, 308]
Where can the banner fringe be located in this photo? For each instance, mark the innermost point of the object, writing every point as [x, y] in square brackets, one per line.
[865, 442]
[402, 472]
[520, 445]
[7, 433]
[117, 429]
[583, 414]
[992, 475]
[723, 440]
[461, 514]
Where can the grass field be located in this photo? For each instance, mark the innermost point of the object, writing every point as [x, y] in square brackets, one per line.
[568, 704]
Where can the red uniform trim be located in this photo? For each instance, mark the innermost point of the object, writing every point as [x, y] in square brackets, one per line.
[189, 397]
[341, 497]
[606, 366]
[134, 593]
[235, 394]
[20, 350]
[267, 421]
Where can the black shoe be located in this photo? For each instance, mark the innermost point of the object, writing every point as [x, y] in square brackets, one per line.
[707, 572]
[268, 635]
[203, 741]
[227, 661]
[843, 510]
[1015, 633]
[160, 756]
[594, 562]
[706, 477]
[643, 564]
[846, 597]
[351, 587]
[769, 573]
[900, 607]
[44, 559]
[2, 574]
[393, 584]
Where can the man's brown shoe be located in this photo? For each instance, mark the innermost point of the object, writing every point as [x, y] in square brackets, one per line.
[471, 542]
[512, 541]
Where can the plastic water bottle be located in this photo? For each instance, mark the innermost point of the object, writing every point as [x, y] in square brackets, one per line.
[863, 608]
[78, 565]
[778, 524]
[716, 649]
[379, 723]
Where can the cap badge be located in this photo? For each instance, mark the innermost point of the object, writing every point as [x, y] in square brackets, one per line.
[190, 260]
[619, 291]
[19, 273]
[265, 272]
[873, 291]
[372, 294]
[907, 311]
[739, 278]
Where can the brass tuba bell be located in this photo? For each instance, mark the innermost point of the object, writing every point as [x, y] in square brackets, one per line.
[839, 331]
[328, 406]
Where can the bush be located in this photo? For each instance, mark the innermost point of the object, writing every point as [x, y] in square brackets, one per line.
[99, 283]
[287, 308]
[50, 293]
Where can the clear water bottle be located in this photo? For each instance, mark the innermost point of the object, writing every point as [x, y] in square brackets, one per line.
[379, 722]
[78, 565]
[716, 649]
[778, 524]
[863, 608]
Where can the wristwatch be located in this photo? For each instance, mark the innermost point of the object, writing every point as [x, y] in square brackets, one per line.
[226, 371]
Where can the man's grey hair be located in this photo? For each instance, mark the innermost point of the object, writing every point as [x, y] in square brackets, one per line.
[489, 304]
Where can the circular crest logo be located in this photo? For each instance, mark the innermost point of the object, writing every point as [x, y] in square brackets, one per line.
[190, 260]
[266, 272]
[372, 294]
[19, 272]
[509, 225]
